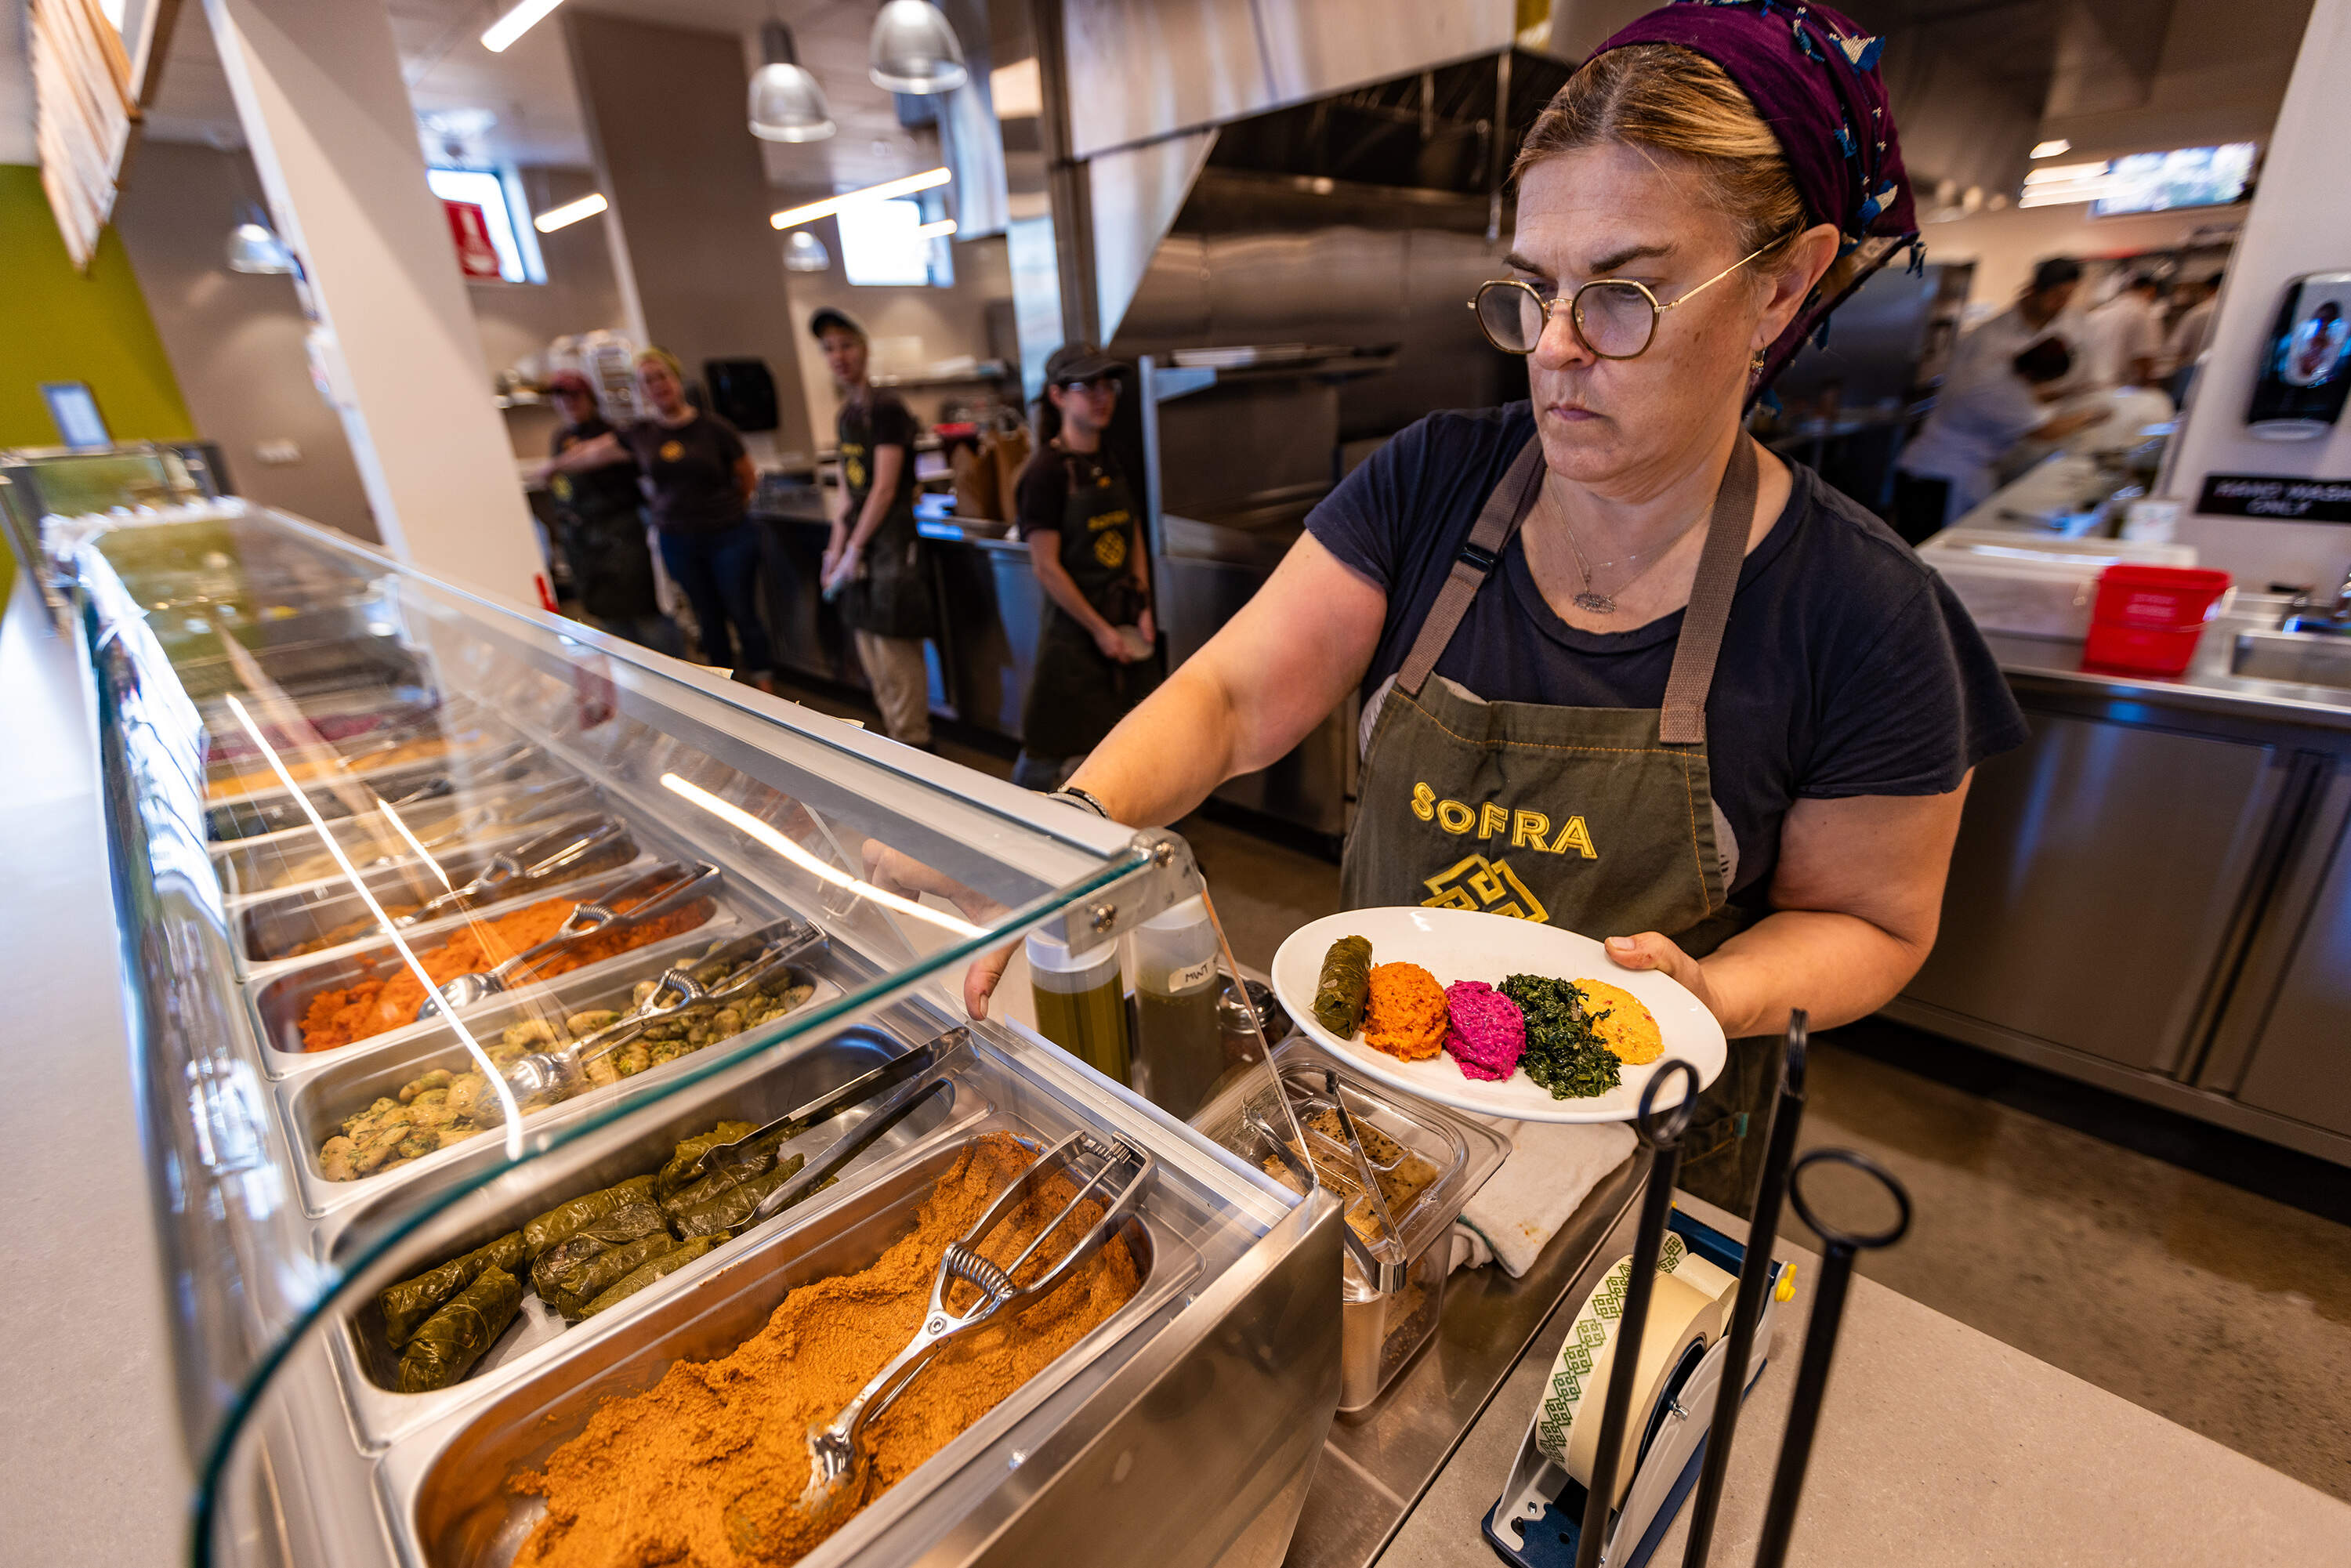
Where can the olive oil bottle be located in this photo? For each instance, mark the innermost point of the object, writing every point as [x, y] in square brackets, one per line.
[1081, 1004]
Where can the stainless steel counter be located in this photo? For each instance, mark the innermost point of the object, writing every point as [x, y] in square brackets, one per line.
[2154, 894]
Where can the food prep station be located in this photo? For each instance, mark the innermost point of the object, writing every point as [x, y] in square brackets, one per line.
[551, 769]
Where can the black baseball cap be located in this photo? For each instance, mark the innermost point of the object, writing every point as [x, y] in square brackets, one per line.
[2055, 273]
[832, 318]
[1081, 362]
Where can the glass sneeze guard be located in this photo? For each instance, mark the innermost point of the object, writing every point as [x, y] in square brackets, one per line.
[432, 907]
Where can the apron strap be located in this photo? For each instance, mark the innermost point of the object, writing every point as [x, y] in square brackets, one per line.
[1505, 509]
[1695, 651]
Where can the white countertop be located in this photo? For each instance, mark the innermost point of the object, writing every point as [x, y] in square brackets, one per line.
[1938, 1445]
[91, 1466]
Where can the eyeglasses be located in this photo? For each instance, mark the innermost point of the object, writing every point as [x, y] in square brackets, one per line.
[1093, 383]
[1615, 318]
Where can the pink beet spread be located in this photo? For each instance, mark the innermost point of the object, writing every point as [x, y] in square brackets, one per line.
[1486, 1033]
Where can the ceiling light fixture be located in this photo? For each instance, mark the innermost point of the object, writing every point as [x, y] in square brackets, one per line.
[515, 23]
[254, 247]
[787, 102]
[2056, 148]
[569, 212]
[792, 218]
[803, 252]
[916, 49]
[939, 230]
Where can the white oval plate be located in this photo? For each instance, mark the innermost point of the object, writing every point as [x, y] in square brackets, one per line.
[1466, 945]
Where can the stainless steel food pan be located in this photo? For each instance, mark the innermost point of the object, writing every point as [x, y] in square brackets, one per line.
[451, 747]
[755, 1093]
[501, 766]
[278, 994]
[459, 1511]
[293, 858]
[273, 929]
[315, 1105]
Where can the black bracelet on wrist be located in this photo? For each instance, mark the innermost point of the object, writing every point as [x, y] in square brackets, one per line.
[1079, 798]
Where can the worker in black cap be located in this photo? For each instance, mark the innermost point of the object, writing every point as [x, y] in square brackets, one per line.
[602, 525]
[1097, 654]
[872, 563]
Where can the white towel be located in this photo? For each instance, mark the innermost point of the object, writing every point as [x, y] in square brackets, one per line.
[1551, 1169]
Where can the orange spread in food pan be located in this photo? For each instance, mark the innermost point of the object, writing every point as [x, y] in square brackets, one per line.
[338, 1017]
[707, 1466]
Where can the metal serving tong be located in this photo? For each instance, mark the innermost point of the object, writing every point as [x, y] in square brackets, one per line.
[758, 957]
[1115, 1175]
[1383, 1263]
[652, 892]
[513, 808]
[284, 810]
[534, 860]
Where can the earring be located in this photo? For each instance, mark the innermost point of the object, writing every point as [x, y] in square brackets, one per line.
[1755, 361]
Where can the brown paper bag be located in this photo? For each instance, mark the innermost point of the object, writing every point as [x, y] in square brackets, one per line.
[977, 497]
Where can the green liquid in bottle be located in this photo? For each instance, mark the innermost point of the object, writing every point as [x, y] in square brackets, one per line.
[1180, 1046]
[1091, 1024]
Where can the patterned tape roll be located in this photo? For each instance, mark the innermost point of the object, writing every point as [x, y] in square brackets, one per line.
[1681, 1314]
[1674, 1258]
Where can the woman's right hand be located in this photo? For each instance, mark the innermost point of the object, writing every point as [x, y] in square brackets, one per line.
[1112, 645]
[896, 871]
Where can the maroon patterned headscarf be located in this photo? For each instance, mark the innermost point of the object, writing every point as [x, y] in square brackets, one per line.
[1813, 76]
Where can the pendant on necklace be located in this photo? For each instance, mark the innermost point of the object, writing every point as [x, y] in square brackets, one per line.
[1598, 604]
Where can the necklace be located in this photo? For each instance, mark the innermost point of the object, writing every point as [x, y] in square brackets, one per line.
[1592, 599]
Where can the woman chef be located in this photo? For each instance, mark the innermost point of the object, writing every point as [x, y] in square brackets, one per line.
[1623, 671]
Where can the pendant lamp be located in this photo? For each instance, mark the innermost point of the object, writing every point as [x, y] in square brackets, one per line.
[254, 246]
[787, 101]
[915, 50]
[803, 252]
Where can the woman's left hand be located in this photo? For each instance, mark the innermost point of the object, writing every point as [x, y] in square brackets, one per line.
[1651, 951]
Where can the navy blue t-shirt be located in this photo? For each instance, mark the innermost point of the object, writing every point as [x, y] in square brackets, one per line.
[1848, 667]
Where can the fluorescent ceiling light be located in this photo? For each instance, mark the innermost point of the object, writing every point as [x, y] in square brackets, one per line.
[2057, 173]
[939, 230]
[2056, 148]
[792, 218]
[515, 24]
[569, 212]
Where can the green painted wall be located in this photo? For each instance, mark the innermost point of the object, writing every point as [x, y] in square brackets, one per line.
[57, 324]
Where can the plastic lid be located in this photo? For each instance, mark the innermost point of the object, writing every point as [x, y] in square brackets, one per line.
[1193, 911]
[1052, 956]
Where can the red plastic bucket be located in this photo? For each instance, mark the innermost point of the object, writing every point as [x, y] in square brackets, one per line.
[2147, 618]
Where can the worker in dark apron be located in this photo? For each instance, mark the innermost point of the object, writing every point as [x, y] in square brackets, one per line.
[1622, 671]
[873, 564]
[1096, 652]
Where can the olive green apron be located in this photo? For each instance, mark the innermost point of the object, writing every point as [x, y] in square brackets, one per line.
[891, 594]
[1077, 694]
[1600, 820]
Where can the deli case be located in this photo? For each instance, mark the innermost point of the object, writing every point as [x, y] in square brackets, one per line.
[535, 1033]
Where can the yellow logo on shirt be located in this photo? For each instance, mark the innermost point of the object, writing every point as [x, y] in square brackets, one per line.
[1524, 829]
[671, 451]
[852, 466]
[1479, 883]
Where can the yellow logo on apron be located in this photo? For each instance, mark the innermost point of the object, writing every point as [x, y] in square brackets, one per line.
[1522, 828]
[671, 451]
[1110, 548]
[1479, 883]
[852, 466]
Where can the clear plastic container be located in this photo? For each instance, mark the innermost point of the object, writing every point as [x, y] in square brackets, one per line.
[1179, 1042]
[1080, 1003]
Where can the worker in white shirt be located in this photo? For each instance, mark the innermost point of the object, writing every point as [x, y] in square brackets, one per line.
[2190, 331]
[1985, 408]
[2043, 308]
[2126, 335]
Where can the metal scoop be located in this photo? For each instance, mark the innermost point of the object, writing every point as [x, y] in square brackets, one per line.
[655, 891]
[1114, 1174]
[533, 861]
[758, 957]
